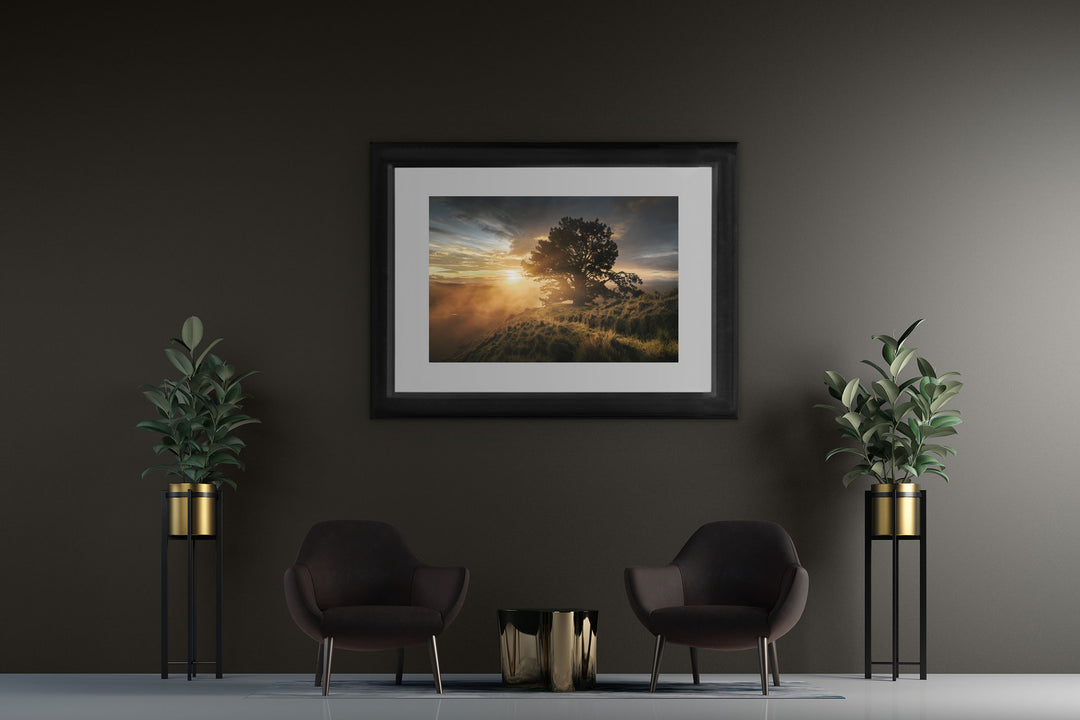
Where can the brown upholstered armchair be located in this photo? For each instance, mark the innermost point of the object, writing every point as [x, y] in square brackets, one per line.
[357, 586]
[735, 585]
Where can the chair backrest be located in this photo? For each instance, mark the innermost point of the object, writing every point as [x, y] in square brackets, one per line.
[358, 562]
[735, 562]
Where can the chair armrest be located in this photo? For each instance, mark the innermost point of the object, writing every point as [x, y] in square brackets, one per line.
[300, 597]
[791, 602]
[440, 588]
[652, 588]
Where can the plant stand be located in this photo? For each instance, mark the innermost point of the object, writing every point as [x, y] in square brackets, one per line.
[191, 542]
[895, 539]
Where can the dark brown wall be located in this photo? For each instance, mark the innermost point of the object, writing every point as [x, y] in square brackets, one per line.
[897, 161]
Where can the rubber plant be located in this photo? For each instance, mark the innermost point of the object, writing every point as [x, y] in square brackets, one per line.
[198, 413]
[894, 426]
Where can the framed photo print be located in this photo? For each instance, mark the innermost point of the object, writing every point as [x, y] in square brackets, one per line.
[543, 279]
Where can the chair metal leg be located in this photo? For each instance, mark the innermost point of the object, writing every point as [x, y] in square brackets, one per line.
[774, 664]
[659, 653]
[319, 663]
[433, 651]
[400, 665]
[328, 655]
[763, 659]
[694, 666]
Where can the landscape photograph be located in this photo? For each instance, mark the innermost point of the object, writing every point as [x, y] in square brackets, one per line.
[553, 279]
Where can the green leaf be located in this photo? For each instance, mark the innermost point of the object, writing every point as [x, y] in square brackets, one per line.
[932, 432]
[157, 398]
[192, 332]
[940, 473]
[223, 458]
[942, 450]
[180, 361]
[224, 410]
[876, 367]
[823, 406]
[835, 382]
[901, 360]
[860, 400]
[232, 444]
[916, 429]
[198, 363]
[235, 394]
[878, 469]
[169, 468]
[901, 411]
[868, 435]
[233, 425]
[908, 383]
[888, 389]
[922, 408]
[848, 397]
[854, 474]
[155, 425]
[836, 451]
[925, 368]
[854, 420]
[889, 346]
[905, 430]
[943, 400]
[241, 377]
[944, 421]
[907, 332]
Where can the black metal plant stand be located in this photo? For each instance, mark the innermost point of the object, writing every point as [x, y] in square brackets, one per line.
[190, 540]
[895, 539]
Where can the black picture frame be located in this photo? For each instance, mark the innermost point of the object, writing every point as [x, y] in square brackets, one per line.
[717, 401]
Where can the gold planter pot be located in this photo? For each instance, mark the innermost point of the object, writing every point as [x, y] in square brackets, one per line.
[203, 509]
[882, 496]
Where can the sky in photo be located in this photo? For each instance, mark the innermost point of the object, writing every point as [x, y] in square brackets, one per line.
[486, 238]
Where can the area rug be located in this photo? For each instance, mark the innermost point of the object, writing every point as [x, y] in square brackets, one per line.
[466, 687]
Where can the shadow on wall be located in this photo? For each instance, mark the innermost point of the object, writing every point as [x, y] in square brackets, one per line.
[816, 510]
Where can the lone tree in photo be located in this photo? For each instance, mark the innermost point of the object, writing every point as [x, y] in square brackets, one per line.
[574, 263]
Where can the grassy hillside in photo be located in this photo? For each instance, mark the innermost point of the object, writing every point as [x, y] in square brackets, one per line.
[641, 329]
[462, 313]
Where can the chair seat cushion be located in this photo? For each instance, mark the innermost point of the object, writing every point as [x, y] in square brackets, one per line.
[715, 627]
[378, 627]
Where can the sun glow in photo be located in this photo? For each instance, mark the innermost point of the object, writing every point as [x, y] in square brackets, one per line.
[512, 276]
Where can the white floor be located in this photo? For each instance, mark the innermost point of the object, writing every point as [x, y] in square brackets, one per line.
[148, 697]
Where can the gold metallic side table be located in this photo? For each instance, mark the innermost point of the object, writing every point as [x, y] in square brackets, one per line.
[550, 649]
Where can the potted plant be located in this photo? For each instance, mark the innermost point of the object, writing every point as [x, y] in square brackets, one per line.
[198, 414]
[894, 427]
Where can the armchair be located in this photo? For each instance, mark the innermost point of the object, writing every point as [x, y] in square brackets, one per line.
[357, 586]
[735, 585]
